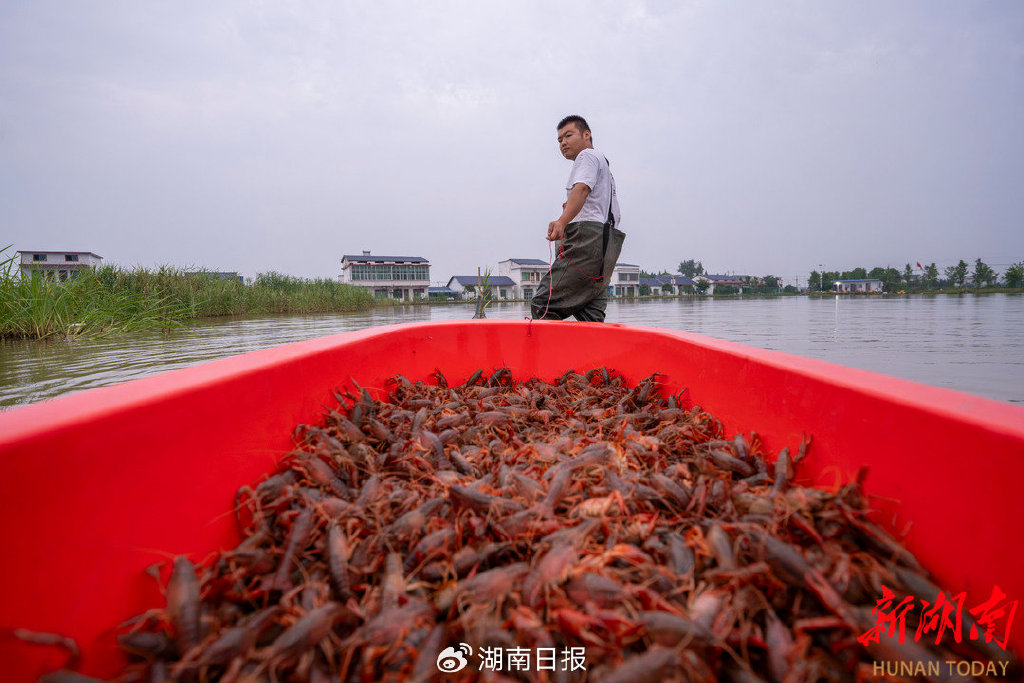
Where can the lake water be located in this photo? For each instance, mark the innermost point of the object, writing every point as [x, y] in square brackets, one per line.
[972, 343]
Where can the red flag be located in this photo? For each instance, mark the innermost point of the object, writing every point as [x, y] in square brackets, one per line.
[919, 265]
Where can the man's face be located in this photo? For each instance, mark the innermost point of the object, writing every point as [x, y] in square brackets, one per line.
[571, 142]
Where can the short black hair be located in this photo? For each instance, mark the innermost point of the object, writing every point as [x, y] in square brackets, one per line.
[581, 123]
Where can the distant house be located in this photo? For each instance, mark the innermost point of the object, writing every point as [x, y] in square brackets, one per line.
[395, 277]
[653, 284]
[502, 286]
[526, 273]
[59, 265]
[442, 294]
[864, 285]
[680, 284]
[625, 280]
[668, 285]
[737, 281]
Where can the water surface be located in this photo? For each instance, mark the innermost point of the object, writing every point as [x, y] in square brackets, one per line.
[972, 343]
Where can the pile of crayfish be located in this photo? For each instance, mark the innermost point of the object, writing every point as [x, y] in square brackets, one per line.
[582, 515]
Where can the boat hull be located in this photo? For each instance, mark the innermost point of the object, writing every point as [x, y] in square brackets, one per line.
[97, 486]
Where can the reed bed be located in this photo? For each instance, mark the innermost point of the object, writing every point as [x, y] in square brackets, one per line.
[113, 299]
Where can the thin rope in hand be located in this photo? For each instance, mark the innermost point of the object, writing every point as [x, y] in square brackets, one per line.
[551, 263]
[551, 284]
[561, 248]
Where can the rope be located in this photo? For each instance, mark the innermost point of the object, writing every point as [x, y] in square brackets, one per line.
[551, 264]
[561, 248]
[551, 284]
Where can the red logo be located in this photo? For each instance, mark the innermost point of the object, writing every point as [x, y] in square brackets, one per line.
[991, 619]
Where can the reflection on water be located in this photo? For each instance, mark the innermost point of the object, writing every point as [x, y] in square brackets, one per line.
[972, 343]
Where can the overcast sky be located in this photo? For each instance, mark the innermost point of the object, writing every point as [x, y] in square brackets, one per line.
[758, 137]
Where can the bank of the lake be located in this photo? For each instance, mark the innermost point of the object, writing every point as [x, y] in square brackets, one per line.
[111, 299]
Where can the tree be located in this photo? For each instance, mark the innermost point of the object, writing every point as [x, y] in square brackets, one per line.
[931, 275]
[814, 282]
[771, 283]
[691, 268]
[961, 273]
[701, 284]
[890, 277]
[1015, 275]
[957, 274]
[891, 280]
[855, 274]
[983, 275]
[908, 275]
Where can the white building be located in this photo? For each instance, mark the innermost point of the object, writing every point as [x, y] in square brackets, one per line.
[60, 265]
[670, 285]
[396, 277]
[625, 280]
[865, 285]
[502, 286]
[526, 273]
[442, 294]
[677, 284]
[737, 281]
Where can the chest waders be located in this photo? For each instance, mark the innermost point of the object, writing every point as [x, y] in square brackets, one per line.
[576, 285]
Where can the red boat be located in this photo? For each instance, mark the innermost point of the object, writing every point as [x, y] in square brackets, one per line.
[99, 485]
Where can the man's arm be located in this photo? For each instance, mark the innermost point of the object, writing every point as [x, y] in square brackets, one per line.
[577, 196]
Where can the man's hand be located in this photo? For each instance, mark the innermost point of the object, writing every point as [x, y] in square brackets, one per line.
[556, 230]
[572, 206]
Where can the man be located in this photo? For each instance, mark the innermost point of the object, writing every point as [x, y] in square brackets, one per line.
[586, 239]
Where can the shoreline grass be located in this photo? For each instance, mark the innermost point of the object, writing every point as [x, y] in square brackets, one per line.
[928, 292]
[111, 299]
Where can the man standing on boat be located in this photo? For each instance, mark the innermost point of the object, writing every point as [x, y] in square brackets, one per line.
[587, 243]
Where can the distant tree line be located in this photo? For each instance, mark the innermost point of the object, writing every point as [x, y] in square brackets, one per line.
[924, 278]
[694, 269]
[921, 278]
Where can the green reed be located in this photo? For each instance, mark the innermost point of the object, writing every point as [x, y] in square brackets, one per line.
[112, 299]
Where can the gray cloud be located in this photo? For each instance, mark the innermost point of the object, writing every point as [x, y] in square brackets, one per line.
[757, 137]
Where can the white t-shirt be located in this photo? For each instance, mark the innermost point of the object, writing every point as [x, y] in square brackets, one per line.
[591, 168]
